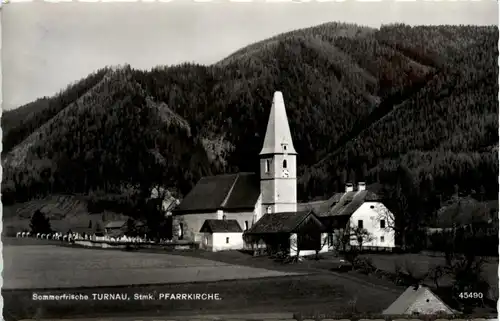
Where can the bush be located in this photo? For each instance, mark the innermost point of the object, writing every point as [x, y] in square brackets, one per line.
[364, 265]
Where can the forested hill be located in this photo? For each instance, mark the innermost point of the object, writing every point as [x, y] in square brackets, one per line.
[360, 102]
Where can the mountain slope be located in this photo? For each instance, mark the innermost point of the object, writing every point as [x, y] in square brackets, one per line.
[359, 100]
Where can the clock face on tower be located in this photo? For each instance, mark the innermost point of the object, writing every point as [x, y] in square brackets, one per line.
[285, 173]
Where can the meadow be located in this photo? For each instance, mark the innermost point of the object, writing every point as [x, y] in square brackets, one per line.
[245, 284]
[46, 265]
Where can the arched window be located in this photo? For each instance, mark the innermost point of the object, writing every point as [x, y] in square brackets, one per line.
[268, 165]
[284, 163]
[181, 231]
[268, 210]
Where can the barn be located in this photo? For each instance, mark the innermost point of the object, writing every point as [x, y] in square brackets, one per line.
[294, 233]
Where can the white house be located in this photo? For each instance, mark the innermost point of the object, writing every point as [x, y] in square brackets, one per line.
[220, 235]
[356, 208]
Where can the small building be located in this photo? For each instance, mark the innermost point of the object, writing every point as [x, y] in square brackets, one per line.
[115, 228]
[292, 232]
[418, 300]
[220, 235]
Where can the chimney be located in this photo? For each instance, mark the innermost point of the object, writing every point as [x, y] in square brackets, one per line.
[349, 187]
[361, 186]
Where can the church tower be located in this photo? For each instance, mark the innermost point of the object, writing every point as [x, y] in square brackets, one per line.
[278, 165]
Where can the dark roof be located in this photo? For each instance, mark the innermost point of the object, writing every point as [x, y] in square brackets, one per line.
[339, 204]
[345, 204]
[245, 192]
[279, 222]
[115, 224]
[221, 226]
[226, 192]
[408, 298]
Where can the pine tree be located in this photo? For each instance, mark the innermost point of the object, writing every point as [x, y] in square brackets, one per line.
[40, 223]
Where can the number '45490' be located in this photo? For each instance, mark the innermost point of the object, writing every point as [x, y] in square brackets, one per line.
[470, 295]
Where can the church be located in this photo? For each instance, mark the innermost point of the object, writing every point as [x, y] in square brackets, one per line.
[260, 210]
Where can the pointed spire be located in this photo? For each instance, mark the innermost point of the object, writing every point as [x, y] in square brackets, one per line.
[278, 131]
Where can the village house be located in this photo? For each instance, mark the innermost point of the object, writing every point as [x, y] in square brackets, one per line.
[265, 207]
[115, 228]
[356, 208]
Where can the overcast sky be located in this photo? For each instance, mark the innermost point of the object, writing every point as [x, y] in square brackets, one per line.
[46, 46]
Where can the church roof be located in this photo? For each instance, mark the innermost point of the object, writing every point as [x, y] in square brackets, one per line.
[278, 131]
[221, 226]
[340, 204]
[286, 222]
[222, 192]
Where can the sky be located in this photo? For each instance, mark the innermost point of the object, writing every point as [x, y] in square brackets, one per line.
[47, 46]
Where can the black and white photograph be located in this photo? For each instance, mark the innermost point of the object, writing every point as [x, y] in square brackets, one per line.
[256, 160]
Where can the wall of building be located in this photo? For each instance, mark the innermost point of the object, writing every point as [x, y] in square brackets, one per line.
[206, 241]
[192, 224]
[428, 303]
[371, 213]
[241, 217]
[293, 245]
[227, 241]
[258, 213]
[277, 191]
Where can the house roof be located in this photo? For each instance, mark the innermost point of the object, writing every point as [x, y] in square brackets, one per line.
[221, 226]
[285, 222]
[340, 204]
[115, 224]
[278, 130]
[408, 298]
[226, 192]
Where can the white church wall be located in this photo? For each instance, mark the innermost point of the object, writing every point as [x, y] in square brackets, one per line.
[372, 213]
[243, 218]
[191, 224]
[227, 241]
[257, 212]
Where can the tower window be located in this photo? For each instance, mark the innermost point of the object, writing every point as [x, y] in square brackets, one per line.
[246, 225]
[284, 147]
[360, 223]
[268, 165]
[227, 240]
[284, 163]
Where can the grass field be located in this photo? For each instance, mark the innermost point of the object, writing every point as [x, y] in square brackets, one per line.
[257, 286]
[45, 266]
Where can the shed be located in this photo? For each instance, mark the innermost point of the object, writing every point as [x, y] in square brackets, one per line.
[220, 235]
[418, 300]
[290, 232]
[115, 228]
